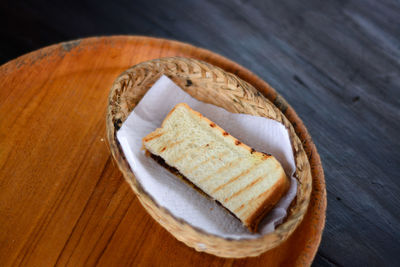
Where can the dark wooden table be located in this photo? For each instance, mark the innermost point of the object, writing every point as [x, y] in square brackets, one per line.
[336, 62]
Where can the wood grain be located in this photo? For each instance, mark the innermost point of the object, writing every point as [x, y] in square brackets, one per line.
[62, 199]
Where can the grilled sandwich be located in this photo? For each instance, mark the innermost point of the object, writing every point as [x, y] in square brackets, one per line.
[246, 182]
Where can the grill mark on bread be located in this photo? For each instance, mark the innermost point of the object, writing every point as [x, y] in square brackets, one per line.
[237, 142]
[248, 186]
[190, 151]
[147, 139]
[247, 171]
[169, 146]
[225, 134]
[265, 156]
[221, 169]
[259, 196]
[252, 200]
[183, 155]
[238, 209]
[201, 163]
[212, 125]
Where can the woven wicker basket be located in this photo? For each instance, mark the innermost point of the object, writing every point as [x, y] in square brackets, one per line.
[209, 84]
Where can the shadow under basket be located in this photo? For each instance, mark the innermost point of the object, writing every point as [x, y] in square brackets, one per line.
[212, 85]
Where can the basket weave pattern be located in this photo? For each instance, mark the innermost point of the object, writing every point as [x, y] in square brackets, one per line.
[212, 85]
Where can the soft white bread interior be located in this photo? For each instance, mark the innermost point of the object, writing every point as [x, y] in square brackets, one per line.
[246, 182]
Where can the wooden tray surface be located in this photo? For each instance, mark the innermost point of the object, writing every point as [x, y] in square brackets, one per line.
[62, 199]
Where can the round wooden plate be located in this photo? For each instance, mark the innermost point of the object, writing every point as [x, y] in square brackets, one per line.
[62, 199]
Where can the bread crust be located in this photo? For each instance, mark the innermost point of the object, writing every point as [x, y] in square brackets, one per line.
[225, 134]
[271, 199]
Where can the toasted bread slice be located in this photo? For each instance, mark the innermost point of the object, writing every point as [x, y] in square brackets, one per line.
[246, 182]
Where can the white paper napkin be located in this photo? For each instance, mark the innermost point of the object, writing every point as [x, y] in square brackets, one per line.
[181, 200]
